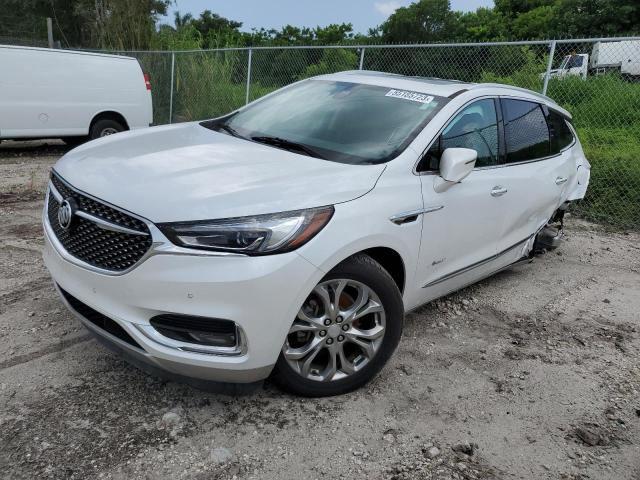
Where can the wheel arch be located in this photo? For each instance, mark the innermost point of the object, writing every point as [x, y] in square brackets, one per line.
[389, 258]
[110, 115]
[392, 262]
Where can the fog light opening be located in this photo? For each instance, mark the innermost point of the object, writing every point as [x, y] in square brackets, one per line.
[213, 339]
[210, 332]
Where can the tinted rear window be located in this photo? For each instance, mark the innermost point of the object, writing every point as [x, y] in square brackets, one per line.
[561, 135]
[526, 130]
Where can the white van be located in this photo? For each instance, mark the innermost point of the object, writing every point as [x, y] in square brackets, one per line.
[47, 93]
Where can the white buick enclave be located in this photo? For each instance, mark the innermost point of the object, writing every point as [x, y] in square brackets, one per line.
[290, 237]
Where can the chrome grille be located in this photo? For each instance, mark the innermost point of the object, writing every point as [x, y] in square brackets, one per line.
[99, 209]
[93, 238]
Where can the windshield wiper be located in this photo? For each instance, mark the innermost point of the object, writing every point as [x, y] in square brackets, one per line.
[230, 130]
[287, 145]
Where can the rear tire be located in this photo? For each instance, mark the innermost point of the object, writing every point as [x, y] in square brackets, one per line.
[357, 338]
[105, 127]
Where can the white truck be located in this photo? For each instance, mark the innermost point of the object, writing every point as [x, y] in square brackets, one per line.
[76, 96]
[622, 57]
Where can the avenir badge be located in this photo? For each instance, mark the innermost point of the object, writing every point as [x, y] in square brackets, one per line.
[412, 96]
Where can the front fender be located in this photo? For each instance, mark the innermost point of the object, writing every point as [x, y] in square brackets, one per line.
[365, 223]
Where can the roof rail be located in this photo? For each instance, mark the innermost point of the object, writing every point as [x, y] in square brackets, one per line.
[510, 87]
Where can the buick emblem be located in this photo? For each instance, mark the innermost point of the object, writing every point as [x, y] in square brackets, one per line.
[65, 213]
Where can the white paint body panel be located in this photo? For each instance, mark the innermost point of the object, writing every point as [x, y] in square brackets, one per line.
[464, 232]
[623, 54]
[186, 172]
[57, 93]
[203, 174]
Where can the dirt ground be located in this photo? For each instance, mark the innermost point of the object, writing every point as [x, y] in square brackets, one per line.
[534, 373]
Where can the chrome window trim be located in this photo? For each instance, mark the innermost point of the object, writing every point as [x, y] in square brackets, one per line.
[500, 165]
[524, 162]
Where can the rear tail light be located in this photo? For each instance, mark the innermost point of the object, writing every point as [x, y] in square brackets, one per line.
[147, 81]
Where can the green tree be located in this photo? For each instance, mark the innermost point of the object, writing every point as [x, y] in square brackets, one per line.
[483, 25]
[291, 35]
[512, 8]
[586, 18]
[209, 21]
[333, 34]
[422, 21]
[121, 24]
[217, 31]
[181, 21]
[333, 60]
[113, 24]
[537, 23]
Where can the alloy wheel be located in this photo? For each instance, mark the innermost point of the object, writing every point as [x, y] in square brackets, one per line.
[338, 330]
[108, 131]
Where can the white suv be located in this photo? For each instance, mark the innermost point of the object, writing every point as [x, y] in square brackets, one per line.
[291, 236]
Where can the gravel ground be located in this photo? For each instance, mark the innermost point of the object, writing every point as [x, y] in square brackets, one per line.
[534, 373]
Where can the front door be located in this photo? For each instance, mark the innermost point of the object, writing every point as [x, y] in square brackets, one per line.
[461, 225]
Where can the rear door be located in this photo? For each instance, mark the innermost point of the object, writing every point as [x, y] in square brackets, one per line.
[536, 171]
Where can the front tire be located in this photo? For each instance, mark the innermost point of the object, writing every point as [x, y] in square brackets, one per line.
[345, 332]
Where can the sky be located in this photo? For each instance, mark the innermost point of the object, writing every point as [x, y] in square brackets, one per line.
[363, 14]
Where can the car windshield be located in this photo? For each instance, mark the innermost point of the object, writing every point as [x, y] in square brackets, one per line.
[571, 61]
[338, 121]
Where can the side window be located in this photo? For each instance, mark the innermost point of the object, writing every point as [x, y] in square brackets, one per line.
[475, 127]
[561, 135]
[575, 61]
[431, 160]
[525, 129]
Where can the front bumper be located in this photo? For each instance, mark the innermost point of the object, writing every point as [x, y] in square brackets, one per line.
[261, 294]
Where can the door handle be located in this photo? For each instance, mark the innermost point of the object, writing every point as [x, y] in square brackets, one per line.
[561, 180]
[498, 191]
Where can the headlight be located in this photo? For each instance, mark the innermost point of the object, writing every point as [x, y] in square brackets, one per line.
[258, 235]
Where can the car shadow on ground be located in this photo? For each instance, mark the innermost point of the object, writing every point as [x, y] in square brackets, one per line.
[31, 148]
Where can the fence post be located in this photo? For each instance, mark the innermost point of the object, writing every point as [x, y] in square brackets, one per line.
[549, 65]
[361, 58]
[249, 75]
[50, 32]
[173, 68]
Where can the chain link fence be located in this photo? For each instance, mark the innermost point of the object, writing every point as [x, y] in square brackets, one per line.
[16, 30]
[597, 80]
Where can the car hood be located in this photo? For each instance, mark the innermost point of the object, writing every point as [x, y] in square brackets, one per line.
[188, 172]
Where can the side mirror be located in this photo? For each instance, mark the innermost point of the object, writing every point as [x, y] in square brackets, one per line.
[455, 165]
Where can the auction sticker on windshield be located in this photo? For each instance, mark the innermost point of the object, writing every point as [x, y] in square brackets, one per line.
[412, 96]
